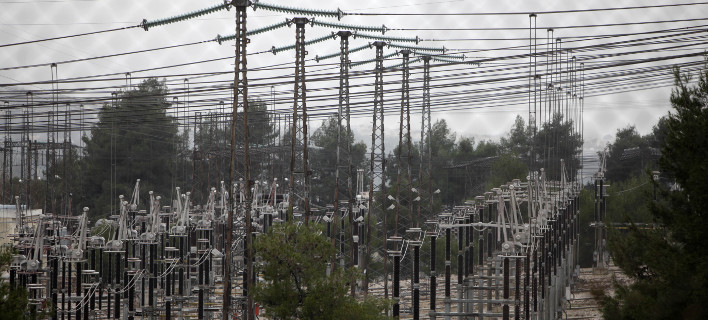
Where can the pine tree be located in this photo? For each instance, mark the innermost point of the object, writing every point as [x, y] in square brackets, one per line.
[135, 138]
[669, 264]
[296, 282]
[14, 301]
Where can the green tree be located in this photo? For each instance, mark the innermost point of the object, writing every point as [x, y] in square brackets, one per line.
[669, 264]
[212, 147]
[506, 168]
[658, 133]
[63, 186]
[442, 140]
[296, 284]
[136, 138]
[555, 141]
[626, 201]
[518, 141]
[323, 161]
[586, 233]
[442, 143]
[487, 148]
[629, 154]
[14, 302]
[465, 150]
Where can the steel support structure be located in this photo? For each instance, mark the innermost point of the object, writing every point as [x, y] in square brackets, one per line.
[405, 186]
[425, 173]
[599, 263]
[377, 183]
[343, 170]
[533, 77]
[299, 126]
[240, 100]
[404, 136]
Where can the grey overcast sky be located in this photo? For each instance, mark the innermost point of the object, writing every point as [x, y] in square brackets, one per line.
[482, 118]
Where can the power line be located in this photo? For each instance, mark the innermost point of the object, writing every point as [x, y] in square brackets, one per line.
[439, 101]
[66, 37]
[603, 25]
[682, 30]
[104, 56]
[524, 12]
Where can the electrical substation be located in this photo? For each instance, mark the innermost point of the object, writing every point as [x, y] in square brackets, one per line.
[186, 252]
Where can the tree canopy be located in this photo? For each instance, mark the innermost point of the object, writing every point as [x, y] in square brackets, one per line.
[518, 141]
[669, 264]
[14, 302]
[211, 155]
[135, 138]
[323, 160]
[296, 281]
[555, 141]
[631, 153]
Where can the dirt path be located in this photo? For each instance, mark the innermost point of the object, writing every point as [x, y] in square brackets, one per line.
[583, 304]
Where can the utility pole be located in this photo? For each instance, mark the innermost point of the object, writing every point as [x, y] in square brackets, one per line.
[426, 150]
[240, 84]
[406, 108]
[599, 253]
[403, 133]
[5, 150]
[8, 155]
[533, 77]
[299, 103]
[67, 159]
[377, 167]
[28, 132]
[343, 173]
[241, 99]
[424, 172]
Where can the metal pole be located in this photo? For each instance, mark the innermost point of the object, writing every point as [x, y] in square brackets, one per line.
[505, 307]
[403, 133]
[416, 281]
[344, 141]
[239, 72]
[377, 182]
[299, 102]
[424, 171]
[517, 292]
[396, 284]
[433, 274]
[241, 97]
[448, 235]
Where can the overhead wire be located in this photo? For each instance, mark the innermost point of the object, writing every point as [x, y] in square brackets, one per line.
[324, 79]
[651, 51]
[669, 83]
[505, 13]
[66, 37]
[289, 47]
[603, 25]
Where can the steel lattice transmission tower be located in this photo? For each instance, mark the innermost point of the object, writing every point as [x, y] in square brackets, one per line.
[299, 126]
[425, 174]
[424, 185]
[240, 100]
[377, 183]
[404, 136]
[343, 173]
[404, 133]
